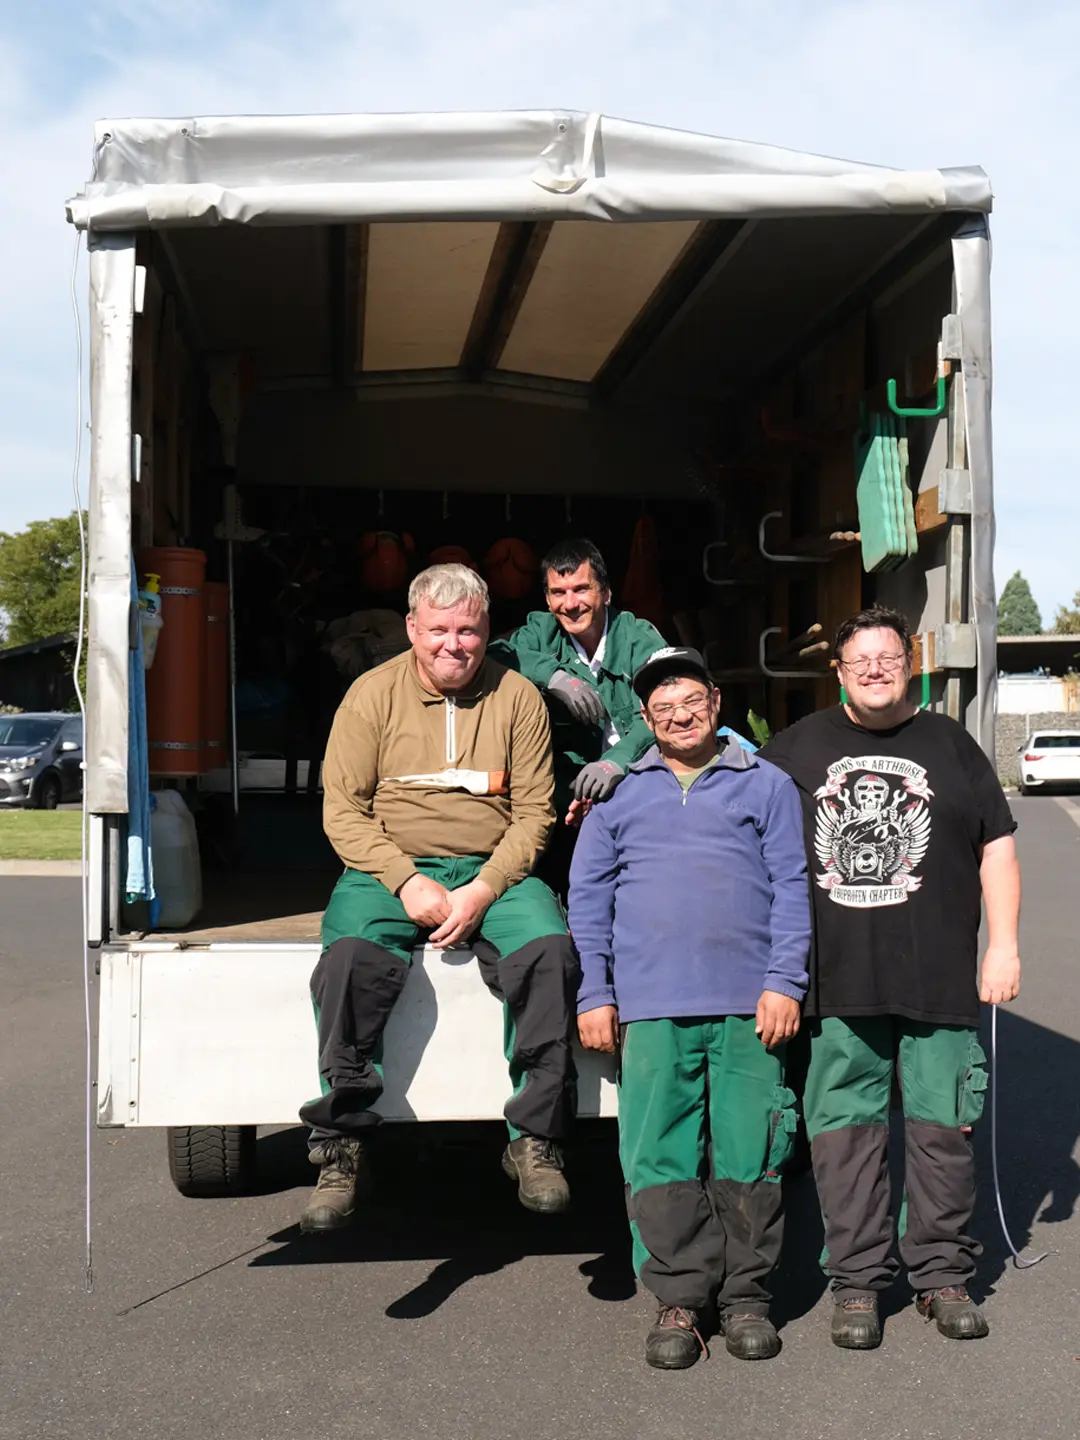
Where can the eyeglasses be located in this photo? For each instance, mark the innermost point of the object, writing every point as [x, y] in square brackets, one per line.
[664, 714]
[861, 666]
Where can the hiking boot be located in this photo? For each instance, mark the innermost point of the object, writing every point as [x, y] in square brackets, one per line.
[344, 1173]
[956, 1313]
[749, 1337]
[674, 1342]
[855, 1323]
[537, 1166]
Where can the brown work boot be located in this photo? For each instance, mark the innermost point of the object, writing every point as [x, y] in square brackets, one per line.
[957, 1315]
[855, 1323]
[537, 1166]
[749, 1337]
[344, 1173]
[675, 1341]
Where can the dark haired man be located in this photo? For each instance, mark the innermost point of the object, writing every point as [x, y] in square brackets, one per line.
[689, 910]
[906, 829]
[581, 653]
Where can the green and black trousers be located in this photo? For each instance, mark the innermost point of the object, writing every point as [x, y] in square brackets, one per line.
[706, 1125]
[941, 1077]
[526, 958]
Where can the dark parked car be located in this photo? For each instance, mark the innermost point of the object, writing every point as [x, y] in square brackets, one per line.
[40, 760]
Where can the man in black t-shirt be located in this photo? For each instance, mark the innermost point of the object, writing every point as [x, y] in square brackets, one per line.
[907, 832]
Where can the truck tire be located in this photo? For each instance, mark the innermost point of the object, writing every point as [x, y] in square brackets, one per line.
[208, 1160]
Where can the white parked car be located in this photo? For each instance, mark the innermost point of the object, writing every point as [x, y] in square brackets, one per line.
[1050, 758]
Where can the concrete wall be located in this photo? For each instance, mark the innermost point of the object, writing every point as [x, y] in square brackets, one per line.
[1032, 694]
[1013, 730]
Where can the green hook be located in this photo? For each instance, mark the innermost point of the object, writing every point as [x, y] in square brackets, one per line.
[918, 411]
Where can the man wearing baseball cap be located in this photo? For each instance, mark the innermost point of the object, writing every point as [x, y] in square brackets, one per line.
[690, 912]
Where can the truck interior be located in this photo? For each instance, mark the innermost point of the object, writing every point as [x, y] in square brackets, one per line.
[688, 395]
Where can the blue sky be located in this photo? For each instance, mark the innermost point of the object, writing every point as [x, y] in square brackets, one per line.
[914, 85]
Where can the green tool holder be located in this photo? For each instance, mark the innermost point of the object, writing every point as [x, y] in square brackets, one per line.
[919, 412]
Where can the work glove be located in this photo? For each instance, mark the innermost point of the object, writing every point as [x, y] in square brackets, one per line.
[597, 781]
[579, 697]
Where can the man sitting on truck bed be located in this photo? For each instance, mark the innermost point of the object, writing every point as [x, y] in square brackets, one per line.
[582, 652]
[438, 788]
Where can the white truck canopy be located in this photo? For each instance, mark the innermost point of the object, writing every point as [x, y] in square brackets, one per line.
[528, 165]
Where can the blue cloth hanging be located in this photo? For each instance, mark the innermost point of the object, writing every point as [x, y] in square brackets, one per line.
[745, 744]
[139, 880]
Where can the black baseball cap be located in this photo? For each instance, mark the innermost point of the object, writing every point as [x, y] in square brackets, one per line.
[672, 660]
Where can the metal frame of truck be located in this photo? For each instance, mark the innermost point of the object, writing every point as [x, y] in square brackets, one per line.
[178, 1045]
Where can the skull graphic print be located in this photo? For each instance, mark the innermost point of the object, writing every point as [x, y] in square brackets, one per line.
[872, 830]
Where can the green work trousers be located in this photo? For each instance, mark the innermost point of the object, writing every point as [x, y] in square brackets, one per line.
[846, 1103]
[526, 959]
[706, 1125]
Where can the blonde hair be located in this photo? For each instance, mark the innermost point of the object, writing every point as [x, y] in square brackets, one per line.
[447, 585]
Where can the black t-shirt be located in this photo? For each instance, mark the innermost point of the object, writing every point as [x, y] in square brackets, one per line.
[894, 821]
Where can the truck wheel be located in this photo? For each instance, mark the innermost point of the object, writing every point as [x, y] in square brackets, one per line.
[207, 1160]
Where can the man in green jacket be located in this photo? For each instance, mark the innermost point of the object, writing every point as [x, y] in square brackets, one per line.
[581, 653]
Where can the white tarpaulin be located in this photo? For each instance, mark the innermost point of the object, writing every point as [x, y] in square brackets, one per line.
[512, 165]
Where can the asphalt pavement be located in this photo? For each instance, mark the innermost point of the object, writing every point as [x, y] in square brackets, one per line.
[448, 1312]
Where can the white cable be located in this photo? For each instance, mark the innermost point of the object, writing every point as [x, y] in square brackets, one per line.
[1017, 1261]
[89, 1096]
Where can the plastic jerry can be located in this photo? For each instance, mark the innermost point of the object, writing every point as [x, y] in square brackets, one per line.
[175, 850]
[150, 617]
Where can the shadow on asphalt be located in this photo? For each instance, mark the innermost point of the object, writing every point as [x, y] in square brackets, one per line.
[441, 1195]
[1038, 1127]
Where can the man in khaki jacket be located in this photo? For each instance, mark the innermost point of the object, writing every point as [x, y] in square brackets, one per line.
[438, 787]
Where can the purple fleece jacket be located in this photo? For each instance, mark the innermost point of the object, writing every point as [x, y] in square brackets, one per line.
[686, 903]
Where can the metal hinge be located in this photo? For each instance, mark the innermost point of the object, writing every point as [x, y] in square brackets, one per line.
[136, 457]
[952, 338]
[954, 492]
[955, 647]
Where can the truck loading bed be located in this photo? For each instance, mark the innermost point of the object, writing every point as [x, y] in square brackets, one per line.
[276, 905]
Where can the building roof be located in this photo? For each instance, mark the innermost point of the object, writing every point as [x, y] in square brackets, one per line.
[34, 647]
[1021, 654]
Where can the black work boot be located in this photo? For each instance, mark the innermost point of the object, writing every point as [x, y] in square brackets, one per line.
[749, 1337]
[674, 1342]
[956, 1313]
[344, 1173]
[537, 1166]
[855, 1323]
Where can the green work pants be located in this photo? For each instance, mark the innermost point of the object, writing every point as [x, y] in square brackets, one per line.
[525, 956]
[846, 1103]
[704, 1232]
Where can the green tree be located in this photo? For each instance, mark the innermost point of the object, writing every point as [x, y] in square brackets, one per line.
[1017, 612]
[39, 580]
[1067, 619]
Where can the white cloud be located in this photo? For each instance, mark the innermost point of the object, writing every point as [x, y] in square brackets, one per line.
[914, 85]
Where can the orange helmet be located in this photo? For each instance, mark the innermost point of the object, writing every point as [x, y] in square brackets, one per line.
[510, 569]
[452, 555]
[383, 562]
